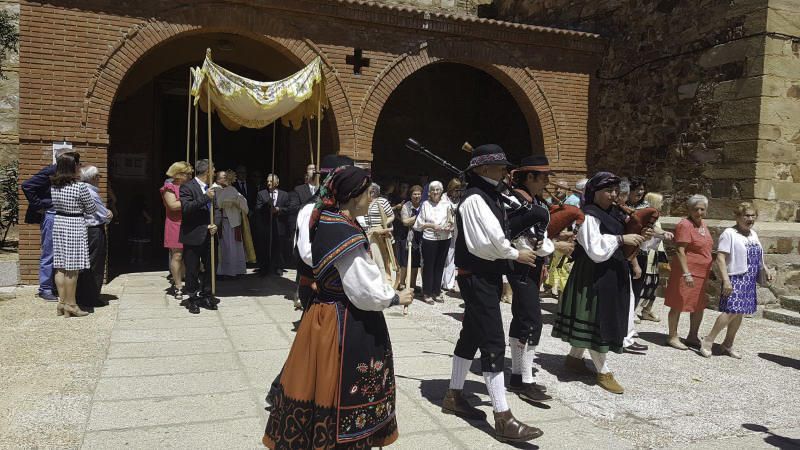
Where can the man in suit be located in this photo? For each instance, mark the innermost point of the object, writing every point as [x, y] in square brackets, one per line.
[40, 210]
[245, 186]
[195, 235]
[273, 208]
[298, 197]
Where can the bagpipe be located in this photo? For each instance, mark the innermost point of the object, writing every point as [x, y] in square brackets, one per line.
[522, 215]
[637, 222]
[562, 216]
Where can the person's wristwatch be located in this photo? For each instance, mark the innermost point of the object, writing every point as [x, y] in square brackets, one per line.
[395, 300]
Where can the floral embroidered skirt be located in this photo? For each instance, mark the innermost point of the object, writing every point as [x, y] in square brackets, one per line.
[305, 407]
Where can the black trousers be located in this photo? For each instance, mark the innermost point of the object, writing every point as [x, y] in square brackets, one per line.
[271, 256]
[482, 327]
[90, 282]
[197, 282]
[434, 256]
[526, 306]
[638, 284]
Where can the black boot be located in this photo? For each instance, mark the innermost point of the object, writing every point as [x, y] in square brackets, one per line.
[192, 305]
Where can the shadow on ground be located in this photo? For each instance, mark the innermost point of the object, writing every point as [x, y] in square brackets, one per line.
[784, 361]
[434, 390]
[773, 439]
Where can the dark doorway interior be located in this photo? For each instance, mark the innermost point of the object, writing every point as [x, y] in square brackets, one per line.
[148, 133]
[442, 106]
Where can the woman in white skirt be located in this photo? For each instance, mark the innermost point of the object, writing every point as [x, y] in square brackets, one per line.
[71, 200]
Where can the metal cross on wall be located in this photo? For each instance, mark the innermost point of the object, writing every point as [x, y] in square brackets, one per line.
[357, 61]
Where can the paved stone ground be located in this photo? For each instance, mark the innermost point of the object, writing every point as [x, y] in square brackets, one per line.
[143, 373]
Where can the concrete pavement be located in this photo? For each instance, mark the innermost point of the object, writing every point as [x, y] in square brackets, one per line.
[144, 373]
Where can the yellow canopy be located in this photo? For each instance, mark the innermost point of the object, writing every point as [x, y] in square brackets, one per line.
[242, 102]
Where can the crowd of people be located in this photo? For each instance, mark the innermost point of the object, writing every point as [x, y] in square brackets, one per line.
[358, 252]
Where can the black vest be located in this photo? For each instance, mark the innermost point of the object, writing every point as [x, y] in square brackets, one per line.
[463, 258]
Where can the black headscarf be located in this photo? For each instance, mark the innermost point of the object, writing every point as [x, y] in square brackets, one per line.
[600, 180]
[341, 185]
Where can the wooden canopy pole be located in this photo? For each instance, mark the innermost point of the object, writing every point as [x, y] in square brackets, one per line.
[271, 177]
[210, 175]
[310, 143]
[319, 123]
[189, 118]
[196, 141]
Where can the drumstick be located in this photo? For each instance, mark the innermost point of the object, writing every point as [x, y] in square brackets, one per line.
[408, 272]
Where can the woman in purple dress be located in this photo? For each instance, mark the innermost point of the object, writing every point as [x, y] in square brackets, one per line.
[740, 259]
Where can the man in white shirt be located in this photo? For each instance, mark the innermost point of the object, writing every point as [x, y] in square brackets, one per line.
[483, 255]
[526, 325]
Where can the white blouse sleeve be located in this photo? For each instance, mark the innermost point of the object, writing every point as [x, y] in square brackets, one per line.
[422, 217]
[482, 232]
[303, 240]
[598, 246]
[363, 282]
[547, 248]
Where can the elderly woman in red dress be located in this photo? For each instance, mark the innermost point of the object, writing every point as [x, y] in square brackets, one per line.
[690, 268]
[179, 173]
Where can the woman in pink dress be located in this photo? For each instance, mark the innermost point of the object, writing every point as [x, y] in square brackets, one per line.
[179, 173]
[691, 265]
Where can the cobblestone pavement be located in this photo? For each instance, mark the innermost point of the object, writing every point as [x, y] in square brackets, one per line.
[144, 373]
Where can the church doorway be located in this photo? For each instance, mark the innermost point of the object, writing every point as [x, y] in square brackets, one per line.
[148, 132]
[442, 106]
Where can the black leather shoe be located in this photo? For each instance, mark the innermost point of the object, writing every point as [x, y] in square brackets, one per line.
[509, 429]
[515, 384]
[208, 303]
[532, 393]
[455, 404]
[637, 347]
[191, 305]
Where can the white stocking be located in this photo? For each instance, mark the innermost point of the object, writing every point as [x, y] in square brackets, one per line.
[496, 386]
[577, 352]
[599, 360]
[517, 351]
[459, 372]
[527, 363]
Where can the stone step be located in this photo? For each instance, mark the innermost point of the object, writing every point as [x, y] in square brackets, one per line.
[790, 302]
[783, 315]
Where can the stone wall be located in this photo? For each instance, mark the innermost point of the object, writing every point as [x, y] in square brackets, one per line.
[9, 100]
[778, 162]
[694, 95]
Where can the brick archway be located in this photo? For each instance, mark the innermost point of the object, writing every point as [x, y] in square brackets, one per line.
[130, 48]
[519, 82]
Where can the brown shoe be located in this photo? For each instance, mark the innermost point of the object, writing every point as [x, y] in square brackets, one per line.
[455, 404]
[647, 314]
[577, 366]
[509, 429]
[607, 382]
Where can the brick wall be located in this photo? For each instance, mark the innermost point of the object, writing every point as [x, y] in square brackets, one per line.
[75, 54]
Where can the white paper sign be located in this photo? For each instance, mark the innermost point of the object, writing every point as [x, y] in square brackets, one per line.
[60, 147]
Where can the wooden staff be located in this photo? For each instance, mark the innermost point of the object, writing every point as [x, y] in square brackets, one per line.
[387, 239]
[409, 246]
[210, 175]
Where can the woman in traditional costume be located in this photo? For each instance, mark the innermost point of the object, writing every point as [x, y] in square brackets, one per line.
[593, 310]
[337, 389]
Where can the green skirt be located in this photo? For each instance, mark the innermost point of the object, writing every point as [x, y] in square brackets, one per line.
[577, 320]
